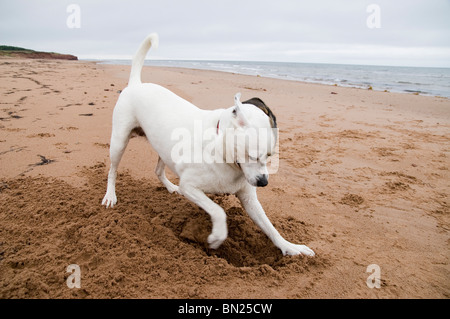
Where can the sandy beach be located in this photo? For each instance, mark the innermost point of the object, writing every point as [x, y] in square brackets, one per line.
[363, 179]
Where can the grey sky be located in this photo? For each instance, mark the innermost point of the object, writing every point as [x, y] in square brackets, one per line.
[413, 32]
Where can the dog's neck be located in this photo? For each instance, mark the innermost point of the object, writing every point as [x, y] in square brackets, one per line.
[235, 165]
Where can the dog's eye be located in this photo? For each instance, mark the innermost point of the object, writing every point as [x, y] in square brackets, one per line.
[253, 159]
[264, 158]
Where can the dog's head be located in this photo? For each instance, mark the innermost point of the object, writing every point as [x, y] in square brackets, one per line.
[251, 138]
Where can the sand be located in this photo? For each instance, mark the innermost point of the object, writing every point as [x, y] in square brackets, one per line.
[363, 179]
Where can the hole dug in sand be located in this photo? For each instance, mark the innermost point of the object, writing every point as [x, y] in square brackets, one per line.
[246, 245]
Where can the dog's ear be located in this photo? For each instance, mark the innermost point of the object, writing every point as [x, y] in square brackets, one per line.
[237, 112]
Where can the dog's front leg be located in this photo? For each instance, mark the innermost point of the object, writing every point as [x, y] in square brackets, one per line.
[250, 202]
[218, 217]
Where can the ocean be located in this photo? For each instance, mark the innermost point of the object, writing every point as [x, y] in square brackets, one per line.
[412, 80]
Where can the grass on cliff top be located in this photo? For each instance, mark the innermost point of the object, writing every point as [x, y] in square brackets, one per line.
[8, 50]
[11, 48]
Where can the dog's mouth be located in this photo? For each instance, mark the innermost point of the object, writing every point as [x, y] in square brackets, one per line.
[259, 181]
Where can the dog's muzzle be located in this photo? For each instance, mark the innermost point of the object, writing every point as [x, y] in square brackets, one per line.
[262, 181]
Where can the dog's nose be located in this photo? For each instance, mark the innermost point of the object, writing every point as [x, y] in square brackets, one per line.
[262, 181]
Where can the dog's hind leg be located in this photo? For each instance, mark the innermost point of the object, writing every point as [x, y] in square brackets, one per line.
[162, 177]
[119, 141]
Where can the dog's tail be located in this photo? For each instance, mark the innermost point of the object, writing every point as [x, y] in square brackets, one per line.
[139, 58]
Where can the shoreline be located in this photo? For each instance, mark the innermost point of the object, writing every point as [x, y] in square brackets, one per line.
[363, 180]
[219, 67]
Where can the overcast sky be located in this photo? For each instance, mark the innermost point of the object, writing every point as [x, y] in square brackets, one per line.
[408, 32]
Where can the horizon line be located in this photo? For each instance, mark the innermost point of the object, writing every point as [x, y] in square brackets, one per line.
[153, 58]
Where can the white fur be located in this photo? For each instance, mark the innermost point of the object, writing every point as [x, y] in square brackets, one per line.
[159, 112]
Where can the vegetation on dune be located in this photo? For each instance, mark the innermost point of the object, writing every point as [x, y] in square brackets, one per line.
[12, 51]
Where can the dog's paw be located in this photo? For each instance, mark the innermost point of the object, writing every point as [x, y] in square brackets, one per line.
[216, 239]
[173, 189]
[109, 200]
[291, 249]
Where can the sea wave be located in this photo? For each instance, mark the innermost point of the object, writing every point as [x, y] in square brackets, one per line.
[417, 80]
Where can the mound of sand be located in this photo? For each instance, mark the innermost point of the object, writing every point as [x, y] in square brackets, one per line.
[152, 246]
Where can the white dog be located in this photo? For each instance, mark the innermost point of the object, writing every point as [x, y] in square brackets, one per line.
[157, 112]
